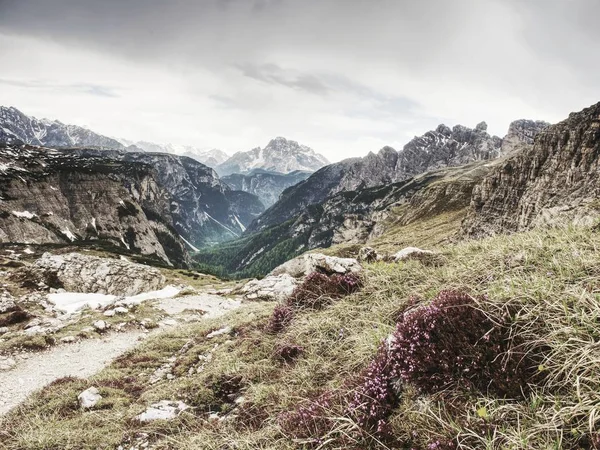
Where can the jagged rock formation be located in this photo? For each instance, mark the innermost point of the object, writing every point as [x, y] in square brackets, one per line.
[83, 273]
[280, 155]
[521, 133]
[153, 204]
[443, 147]
[267, 186]
[552, 182]
[16, 126]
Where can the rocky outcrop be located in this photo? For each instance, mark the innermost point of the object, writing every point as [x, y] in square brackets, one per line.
[521, 133]
[273, 288]
[280, 155]
[267, 186]
[304, 265]
[16, 126]
[91, 274]
[442, 147]
[553, 182]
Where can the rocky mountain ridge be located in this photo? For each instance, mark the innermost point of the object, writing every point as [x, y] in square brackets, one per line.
[439, 148]
[280, 155]
[210, 158]
[16, 126]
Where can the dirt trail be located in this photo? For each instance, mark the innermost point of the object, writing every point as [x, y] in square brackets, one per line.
[80, 359]
[87, 357]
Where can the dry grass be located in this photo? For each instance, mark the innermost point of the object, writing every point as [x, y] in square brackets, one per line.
[549, 281]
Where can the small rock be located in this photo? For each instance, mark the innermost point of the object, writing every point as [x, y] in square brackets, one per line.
[89, 398]
[68, 339]
[224, 330]
[100, 325]
[109, 313]
[7, 363]
[413, 253]
[213, 417]
[163, 410]
[168, 322]
[121, 310]
[35, 330]
[368, 254]
[33, 323]
[3, 330]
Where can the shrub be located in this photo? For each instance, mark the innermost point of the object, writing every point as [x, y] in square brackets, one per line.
[282, 316]
[318, 289]
[374, 398]
[310, 421]
[287, 352]
[452, 343]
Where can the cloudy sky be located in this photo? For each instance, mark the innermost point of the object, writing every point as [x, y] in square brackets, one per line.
[342, 76]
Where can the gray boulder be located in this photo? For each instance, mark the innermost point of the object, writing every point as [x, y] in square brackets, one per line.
[91, 274]
[317, 262]
[272, 287]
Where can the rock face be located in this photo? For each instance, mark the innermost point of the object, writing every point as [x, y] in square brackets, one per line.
[82, 273]
[521, 133]
[153, 204]
[16, 126]
[553, 182]
[267, 186]
[443, 147]
[51, 196]
[280, 155]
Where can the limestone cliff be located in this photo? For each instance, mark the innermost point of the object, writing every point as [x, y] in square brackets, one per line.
[555, 181]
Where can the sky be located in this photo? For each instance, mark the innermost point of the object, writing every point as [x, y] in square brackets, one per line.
[344, 77]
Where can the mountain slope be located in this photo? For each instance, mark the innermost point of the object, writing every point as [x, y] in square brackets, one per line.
[280, 155]
[151, 203]
[16, 126]
[267, 186]
[554, 181]
[54, 197]
[443, 147]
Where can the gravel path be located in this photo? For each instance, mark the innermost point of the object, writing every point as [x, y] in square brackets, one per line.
[87, 357]
[80, 359]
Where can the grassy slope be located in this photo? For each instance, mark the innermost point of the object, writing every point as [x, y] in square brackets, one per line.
[550, 279]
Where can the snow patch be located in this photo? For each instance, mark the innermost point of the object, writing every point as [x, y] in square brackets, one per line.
[68, 234]
[24, 214]
[243, 228]
[71, 302]
[189, 243]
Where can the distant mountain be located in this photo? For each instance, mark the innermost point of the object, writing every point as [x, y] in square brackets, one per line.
[268, 186]
[211, 158]
[280, 155]
[16, 126]
[439, 148]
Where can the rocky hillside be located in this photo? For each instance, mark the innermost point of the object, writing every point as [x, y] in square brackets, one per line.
[350, 217]
[280, 155]
[442, 147]
[267, 186]
[554, 181]
[52, 197]
[16, 126]
[153, 203]
[521, 133]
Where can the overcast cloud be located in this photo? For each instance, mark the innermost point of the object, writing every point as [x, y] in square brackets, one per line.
[343, 76]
